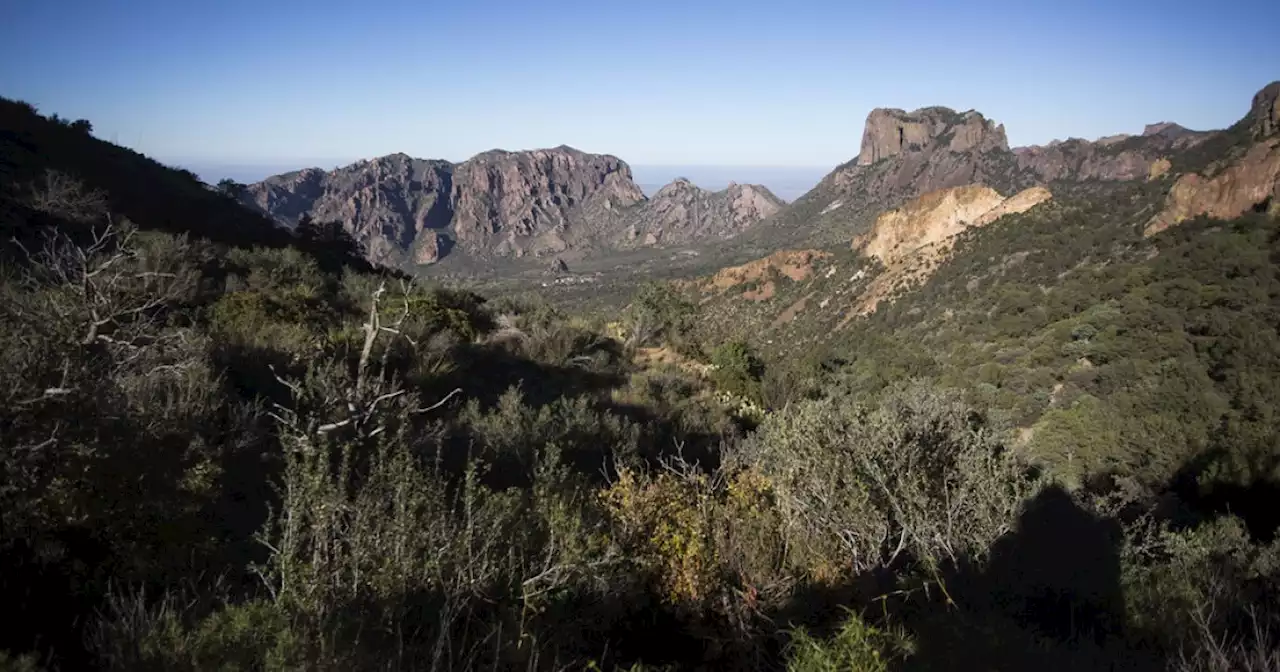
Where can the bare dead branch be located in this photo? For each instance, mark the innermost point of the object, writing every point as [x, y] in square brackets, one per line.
[440, 403]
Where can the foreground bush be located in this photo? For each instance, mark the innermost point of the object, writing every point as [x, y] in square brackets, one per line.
[918, 479]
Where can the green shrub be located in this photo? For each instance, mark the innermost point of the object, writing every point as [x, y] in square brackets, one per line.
[856, 647]
[859, 487]
[737, 370]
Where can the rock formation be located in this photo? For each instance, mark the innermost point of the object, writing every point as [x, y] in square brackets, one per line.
[912, 241]
[682, 212]
[428, 248]
[1253, 181]
[1265, 111]
[760, 276]
[939, 216]
[386, 203]
[890, 132]
[1229, 189]
[1121, 157]
[906, 155]
[536, 202]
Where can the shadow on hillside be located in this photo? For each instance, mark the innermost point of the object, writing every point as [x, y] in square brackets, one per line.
[1049, 598]
[1251, 494]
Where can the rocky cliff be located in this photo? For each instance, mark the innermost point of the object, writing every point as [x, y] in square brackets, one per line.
[538, 202]
[1265, 111]
[682, 212]
[890, 132]
[1117, 157]
[389, 204]
[506, 204]
[1248, 180]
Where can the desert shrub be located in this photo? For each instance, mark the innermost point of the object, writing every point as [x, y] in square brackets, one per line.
[18, 663]
[737, 369]
[1205, 593]
[711, 543]
[667, 519]
[511, 436]
[917, 476]
[659, 314]
[176, 633]
[542, 334]
[263, 269]
[855, 647]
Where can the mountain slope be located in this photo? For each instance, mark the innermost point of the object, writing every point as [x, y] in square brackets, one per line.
[151, 195]
[905, 155]
[901, 251]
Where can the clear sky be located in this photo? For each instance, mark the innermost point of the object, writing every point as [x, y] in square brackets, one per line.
[763, 83]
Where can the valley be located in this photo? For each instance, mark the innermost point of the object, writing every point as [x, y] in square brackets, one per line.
[960, 405]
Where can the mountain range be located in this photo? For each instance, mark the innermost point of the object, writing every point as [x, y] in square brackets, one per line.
[499, 204]
[561, 202]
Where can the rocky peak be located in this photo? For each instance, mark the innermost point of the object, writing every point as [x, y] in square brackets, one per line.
[678, 186]
[1249, 180]
[1265, 111]
[889, 132]
[1163, 128]
[537, 201]
[682, 211]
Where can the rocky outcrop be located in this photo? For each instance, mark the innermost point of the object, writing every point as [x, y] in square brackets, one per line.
[506, 204]
[904, 156]
[1014, 205]
[537, 202]
[1265, 111]
[1251, 182]
[760, 277]
[429, 248]
[387, 203]
[939, 216]
[1230, 188]
[912, 241]
[682, 212]
[1120, 157]
[890, 132]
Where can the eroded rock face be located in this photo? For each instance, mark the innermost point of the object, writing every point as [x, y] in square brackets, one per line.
[682, 212]
[498, 203]
[428, 248]
[1120, 157]
[929, 219]
[1245, 184]
[1265, 111]
[1248, 182]
[939, 216]
[912, 241]
[386, 203]
[760, 276]
[537, 202]
[890, 132]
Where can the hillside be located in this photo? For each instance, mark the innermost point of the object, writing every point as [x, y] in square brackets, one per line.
[905, 155]
[1112, 323]
[499, 206]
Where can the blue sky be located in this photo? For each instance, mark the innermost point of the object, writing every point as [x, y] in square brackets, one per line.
[283, 83]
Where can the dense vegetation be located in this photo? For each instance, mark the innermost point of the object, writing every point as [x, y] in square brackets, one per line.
[259, 453]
